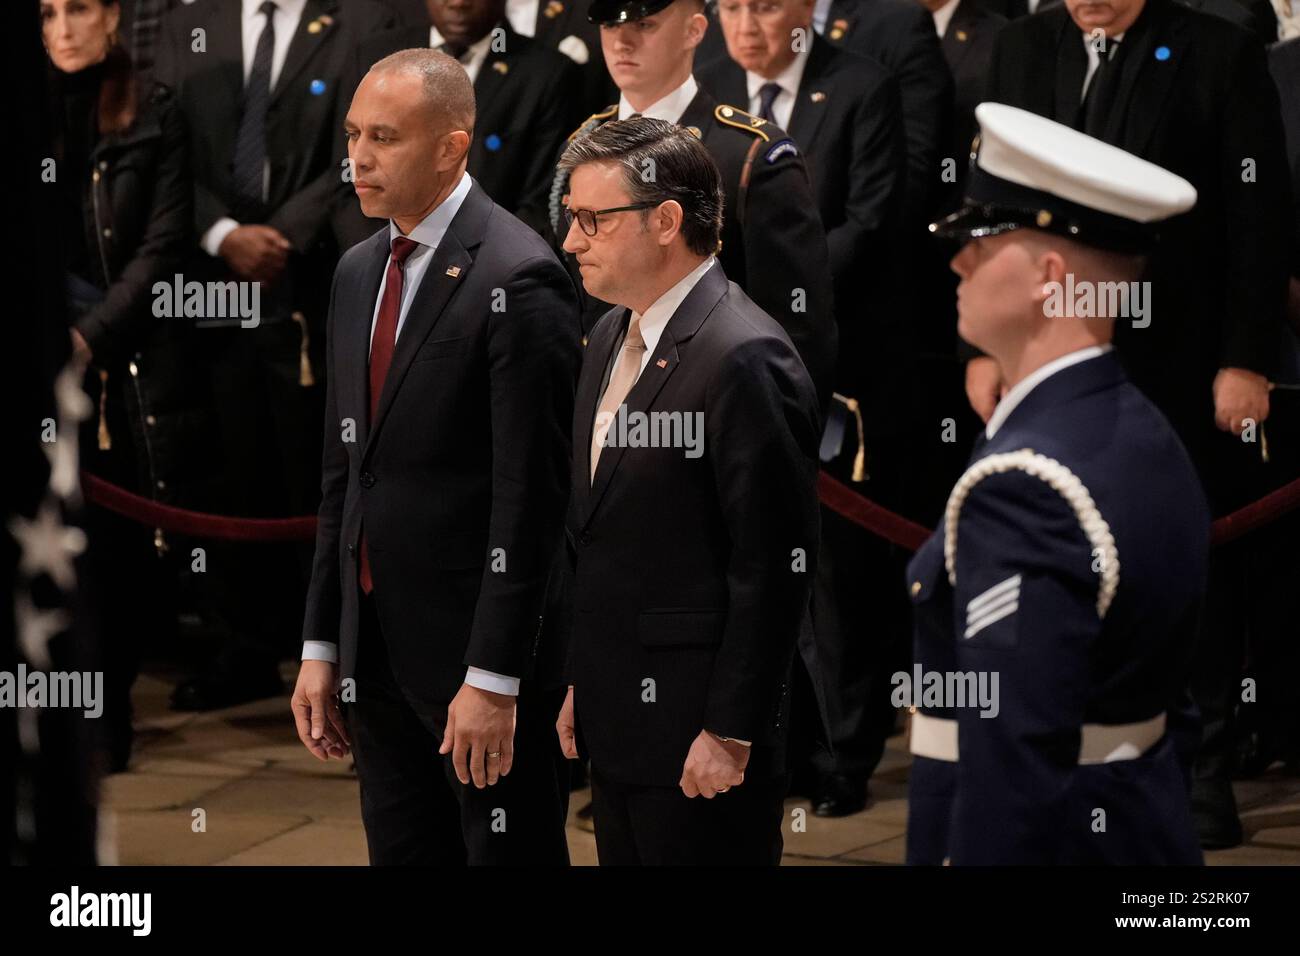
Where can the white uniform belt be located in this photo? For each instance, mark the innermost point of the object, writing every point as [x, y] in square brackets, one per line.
[936, 738]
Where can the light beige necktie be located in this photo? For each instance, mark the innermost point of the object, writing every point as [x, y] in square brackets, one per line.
[621, 380]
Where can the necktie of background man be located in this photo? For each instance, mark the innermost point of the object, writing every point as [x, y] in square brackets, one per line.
[250, 143]
[767, 95]
[1099, 97]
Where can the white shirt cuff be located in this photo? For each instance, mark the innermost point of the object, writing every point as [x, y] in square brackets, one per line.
[496, 683]
[320, 651]
[216, 235]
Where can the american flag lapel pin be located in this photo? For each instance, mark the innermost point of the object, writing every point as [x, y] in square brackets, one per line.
[454, 271]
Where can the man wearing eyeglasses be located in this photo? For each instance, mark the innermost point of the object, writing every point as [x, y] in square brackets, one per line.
[773, 244]
[693, 515]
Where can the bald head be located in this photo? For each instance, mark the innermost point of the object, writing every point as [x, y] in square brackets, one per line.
[445, 87]
[409, 129]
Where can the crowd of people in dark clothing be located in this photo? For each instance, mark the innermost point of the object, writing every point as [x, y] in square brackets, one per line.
[204, 142]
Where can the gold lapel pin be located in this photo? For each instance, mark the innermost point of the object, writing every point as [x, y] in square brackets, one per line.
[838, 29]
[818, 96]
[501, 66]
[454, 271]
[553, 9]
[961, 36]
[314, 27]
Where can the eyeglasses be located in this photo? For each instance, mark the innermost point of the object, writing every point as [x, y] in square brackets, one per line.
[587, 217]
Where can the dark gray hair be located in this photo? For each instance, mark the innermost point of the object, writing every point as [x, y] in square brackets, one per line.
[447, 90]
[679, 167]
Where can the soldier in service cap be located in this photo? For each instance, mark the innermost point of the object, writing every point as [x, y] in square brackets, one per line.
[1055, 604]
[773, 244]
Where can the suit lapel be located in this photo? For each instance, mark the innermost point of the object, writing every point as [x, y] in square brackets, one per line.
[226, 47]
[1073, 59]
[685, 322]
[1132, 128]
[959, 37]
[816, 90]
[493, 74]
[306, 41]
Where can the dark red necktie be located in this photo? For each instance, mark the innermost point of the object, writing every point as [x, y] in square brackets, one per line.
[382, 343]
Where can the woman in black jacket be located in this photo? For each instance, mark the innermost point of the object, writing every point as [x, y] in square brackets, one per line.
[125, 221]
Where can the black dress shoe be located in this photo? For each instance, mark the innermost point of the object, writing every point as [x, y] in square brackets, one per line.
[214, 693]
[838, 796]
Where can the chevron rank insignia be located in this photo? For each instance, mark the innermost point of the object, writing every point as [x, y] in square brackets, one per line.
[999, 601]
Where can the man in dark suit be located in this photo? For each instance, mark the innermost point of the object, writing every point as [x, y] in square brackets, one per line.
[527, 99]
[444, 483]
[1066, 576]
[773, 242]
[1192, 94]
[258, 83]
[693, 547]
[842, 109]
[898, 34]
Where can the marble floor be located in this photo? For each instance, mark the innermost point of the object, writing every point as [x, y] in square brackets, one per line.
[236, 787]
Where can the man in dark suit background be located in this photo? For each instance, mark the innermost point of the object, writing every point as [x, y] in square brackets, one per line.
[527, 98]
[899, 35]
[1189, 92]
[773, 242]
[693, 550]
[842, 110]
[258, 82]
[444, 482]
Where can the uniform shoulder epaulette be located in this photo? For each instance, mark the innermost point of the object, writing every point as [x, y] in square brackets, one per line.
[592, 121]
[733, 116]
[1061, 480]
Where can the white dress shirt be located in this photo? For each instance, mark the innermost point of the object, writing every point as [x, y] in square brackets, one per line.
[251, 23]
[788, 79]
[1016, 394]
[522, 15]
[428, 234]
[473, 58]
[669, 109]
[943, 16]
[821, 13]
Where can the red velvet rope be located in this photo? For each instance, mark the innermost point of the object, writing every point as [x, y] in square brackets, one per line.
[837, 496]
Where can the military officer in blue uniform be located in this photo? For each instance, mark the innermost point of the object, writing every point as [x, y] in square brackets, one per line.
[1071, 560]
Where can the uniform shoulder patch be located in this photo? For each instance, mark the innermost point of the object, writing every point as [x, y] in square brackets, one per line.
[592, 121]
[784, 148]
[733, 116]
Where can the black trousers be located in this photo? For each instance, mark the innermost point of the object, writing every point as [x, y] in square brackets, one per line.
[661, 826]
[414, 809]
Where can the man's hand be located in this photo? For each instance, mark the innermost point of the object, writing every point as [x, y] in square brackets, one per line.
[564, 727]
[1239, 393]
[480, 735]
[316, 711]
[713, 766]
[983, 385]
[258, 253]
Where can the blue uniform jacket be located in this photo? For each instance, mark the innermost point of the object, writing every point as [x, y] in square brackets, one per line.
[1074, 570]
